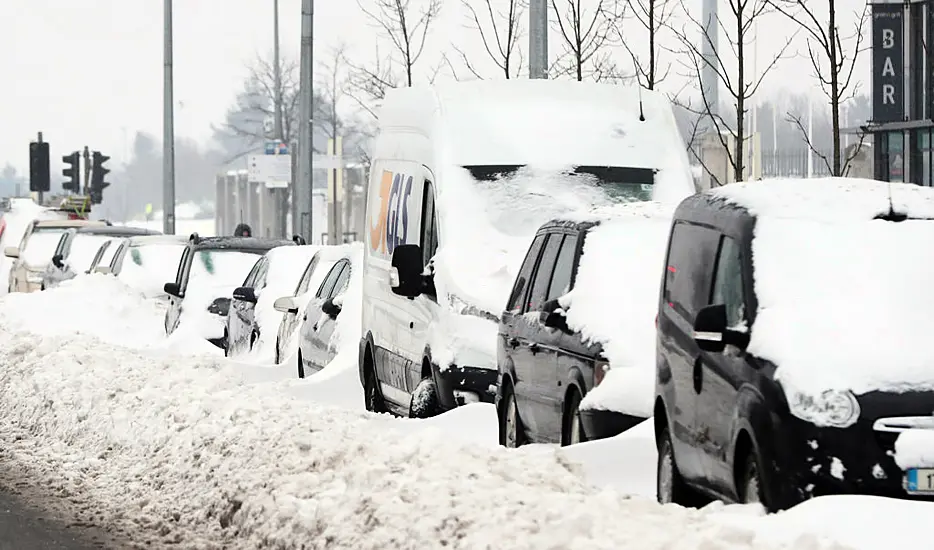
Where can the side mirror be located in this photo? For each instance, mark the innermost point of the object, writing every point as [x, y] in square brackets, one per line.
[406, 274]
[245, 294]
[103, 270]
[553, 317]
[330, 308]
[57, 261]
[11, 252]
[711, 332]
[299, 240]
[286, 304]
[172, 289]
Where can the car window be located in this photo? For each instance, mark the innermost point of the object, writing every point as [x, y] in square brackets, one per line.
[260, 281]
[429, 225]
[689, 269]
[342, 281]
[564, 268]
[518, 290]
[728, 283]
[99, 255]
[543, 273]
[253, 274]
[180, 276]
[306, 277]
[62, 246]
[328, 283]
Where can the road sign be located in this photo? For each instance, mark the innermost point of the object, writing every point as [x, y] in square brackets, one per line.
[275, 171]
[276, 148]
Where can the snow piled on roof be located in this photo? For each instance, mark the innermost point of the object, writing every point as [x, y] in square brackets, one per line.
[828, 276]
[615, 299]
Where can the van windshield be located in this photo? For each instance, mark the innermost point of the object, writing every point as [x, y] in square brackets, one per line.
[619, 183]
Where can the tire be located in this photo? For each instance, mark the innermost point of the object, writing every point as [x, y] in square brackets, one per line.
[226, 344]
[301, 366]
[425, 402]
[277, 351]
[371, 395]
[571, 430]
[750, 489]
[511, 430]
[670, 487]
[253, 338]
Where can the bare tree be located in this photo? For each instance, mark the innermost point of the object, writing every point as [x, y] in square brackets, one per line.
[653, 16]
[500, 31]
[367, 85]
[832, 62]
[332, 92]
[585, 34]
[405, 27]
[732, 75]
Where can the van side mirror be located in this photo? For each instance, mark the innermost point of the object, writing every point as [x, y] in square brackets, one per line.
[406, 274]
[552, 316]
[711, 332]
[172, 289]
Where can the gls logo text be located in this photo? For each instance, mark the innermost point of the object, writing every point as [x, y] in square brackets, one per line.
[392, 223]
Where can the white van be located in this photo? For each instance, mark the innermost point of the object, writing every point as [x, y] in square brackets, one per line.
[432, 295]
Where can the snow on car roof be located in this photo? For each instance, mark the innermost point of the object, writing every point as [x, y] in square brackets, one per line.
[844, 299]
[615, 299]
[828, 199]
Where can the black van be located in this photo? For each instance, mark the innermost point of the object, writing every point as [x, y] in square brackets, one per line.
[727, 425]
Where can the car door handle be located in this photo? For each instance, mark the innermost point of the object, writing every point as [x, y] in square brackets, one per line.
[533, 347]
[513, 342]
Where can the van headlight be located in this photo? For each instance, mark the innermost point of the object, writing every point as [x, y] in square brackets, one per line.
[830, 408]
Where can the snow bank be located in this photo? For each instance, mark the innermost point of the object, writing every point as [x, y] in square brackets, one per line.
[615, 300]
[827, 275]
[626, 463]
[180, 452]
[915, 449]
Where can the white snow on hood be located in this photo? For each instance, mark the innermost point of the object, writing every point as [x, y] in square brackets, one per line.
[845, 301]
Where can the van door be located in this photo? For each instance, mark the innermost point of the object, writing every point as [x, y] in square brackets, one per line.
[423, 309]
[688, 274]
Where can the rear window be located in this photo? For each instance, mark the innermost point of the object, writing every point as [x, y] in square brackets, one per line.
[689, 269]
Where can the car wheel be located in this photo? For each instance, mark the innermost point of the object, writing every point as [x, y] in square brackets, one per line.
[374, 401]
[301, 366]
[571, 429]
[278, 358]
[511, 431]
[425, 402]
[226, 341]
[751, 491]
[670, 487]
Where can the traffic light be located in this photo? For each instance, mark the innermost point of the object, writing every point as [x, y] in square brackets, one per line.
[73, 183]
[39, 179]
[97, 177]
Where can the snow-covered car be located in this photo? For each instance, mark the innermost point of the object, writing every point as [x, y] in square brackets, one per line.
[144, 263]
[34, 252]
[252, 318]
[209, 270]
[77, 249]
[318, 340]
[793, 343]
[576, 346]
[292, 306]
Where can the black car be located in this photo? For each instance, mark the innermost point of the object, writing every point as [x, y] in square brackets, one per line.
[215, 283]
[731, 420]
[546, 368]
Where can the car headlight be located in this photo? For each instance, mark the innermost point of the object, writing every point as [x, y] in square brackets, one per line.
[831, 408]
[220, 306]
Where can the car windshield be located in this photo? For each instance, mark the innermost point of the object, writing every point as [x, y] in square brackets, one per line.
[41, 246]
[618, 183]
[83, 249]
[220, 268]
[147, 267]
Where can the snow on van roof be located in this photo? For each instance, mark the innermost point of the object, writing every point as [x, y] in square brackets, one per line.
[828, 198]
[615, 299]
[844, 300]
[548, 124]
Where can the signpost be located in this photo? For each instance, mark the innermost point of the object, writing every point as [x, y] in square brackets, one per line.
[273, 168]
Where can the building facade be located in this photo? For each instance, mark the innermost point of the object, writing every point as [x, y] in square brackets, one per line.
[903, 90]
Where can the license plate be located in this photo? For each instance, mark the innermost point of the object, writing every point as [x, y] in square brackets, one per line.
[919, 481]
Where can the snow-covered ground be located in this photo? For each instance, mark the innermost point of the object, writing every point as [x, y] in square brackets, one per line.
[175, 444]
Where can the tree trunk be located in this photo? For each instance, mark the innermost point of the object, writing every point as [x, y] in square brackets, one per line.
[650, 84]
[834, 88]
[738, 157]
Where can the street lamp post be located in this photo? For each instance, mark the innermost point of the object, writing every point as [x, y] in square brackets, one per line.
[168, 131]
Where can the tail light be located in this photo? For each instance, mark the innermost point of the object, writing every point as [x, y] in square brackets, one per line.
[600, 367]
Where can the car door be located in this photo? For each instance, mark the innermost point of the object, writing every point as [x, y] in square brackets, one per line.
[307, 345]
[290, 319]
[534, 357]
[688, 274]
[322, 330]
[239, 317]
[174, 311]
[724, 373]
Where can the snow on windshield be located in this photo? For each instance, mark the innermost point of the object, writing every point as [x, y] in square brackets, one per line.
[148, 267]
[83, 249]
[615, 300]
[40, 247]
[220, 268]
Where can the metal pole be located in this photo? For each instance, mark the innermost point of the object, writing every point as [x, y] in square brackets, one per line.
[40, 194]
[277, 92]
[538, 39]
[302, 186]
[168, 131]
[709, 79]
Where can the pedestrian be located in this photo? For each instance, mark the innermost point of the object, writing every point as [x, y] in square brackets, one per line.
[243, 230]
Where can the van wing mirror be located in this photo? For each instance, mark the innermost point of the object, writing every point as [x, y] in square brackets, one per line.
[406, 275]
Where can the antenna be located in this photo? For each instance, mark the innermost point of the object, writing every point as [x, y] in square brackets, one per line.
[641, 111]
[893, 216]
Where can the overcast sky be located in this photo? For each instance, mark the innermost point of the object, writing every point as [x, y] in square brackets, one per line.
[90, 72]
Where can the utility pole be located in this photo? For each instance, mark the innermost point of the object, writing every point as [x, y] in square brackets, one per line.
[277, 73]
[538, 38]
[86, 155]
[168, 131]
[709, 78]
[302, 193]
